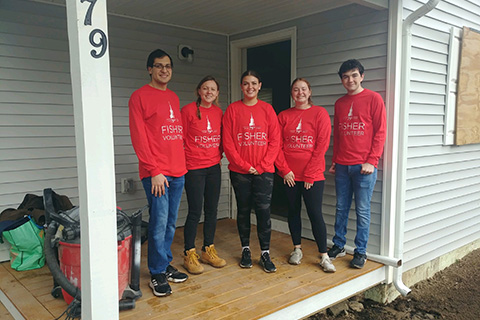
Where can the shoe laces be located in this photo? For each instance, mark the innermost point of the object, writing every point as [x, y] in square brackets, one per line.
[193, 257]
[212, 253]
[171, 270]
[266, 256]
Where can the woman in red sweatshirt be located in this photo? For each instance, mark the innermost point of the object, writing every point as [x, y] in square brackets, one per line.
[202, 122]
[305, 131]
[251, 141]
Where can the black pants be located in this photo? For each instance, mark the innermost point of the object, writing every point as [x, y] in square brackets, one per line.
[253, 191]
[313, 201]
[203, 189]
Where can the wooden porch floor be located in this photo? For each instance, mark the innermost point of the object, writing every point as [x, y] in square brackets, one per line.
[227, 293]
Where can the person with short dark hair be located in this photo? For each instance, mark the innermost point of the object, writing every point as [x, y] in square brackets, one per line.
[359, 131]
[202, 126]
[305, 130]
[157, 136]
[251, 140]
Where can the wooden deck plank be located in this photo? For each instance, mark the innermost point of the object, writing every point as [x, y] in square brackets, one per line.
[19, 295]
[291, 292]
[230, 292]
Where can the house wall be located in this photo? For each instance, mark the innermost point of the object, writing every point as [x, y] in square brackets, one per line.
[37, 139]
[442, 205]
[324, 41]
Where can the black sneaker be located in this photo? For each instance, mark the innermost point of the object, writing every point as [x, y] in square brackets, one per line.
[159, 285]
[246, 261]
[266, 263]
[173, 275]
[336, 252]
[358, 260]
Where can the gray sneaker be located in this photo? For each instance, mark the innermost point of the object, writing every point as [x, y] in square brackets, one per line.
[327, 264]
[296, 256]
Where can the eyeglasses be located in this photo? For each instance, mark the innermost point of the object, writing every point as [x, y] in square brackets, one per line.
[161, 66]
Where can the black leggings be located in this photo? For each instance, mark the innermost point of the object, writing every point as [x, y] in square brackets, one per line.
[313, 201]
[203, 189]
[253, 191]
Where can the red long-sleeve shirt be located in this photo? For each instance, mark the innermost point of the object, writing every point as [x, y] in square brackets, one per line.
[305, 139]
[156, 131]
[359, 128]
[251, 137]
[202, 137]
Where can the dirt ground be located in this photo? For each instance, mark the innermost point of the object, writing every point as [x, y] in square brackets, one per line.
[453, 294]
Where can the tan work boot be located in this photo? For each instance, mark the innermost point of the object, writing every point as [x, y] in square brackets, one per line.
[190, 262]
[211, 257]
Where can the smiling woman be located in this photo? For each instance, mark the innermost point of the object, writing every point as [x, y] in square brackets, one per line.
[202, 121]
[251, 140]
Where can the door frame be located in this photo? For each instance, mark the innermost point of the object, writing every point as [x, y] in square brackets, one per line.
[238, 56]
[238, 62]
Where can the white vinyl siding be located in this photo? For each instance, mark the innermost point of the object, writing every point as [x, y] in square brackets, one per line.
[443, 182]
[324, 41]
[37, 141]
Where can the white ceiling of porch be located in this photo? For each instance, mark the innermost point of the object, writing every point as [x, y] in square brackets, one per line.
[222, 16]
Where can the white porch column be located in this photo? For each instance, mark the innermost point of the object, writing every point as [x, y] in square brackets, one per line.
[90, 73]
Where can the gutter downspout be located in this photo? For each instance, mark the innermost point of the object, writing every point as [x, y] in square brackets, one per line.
[403, 138]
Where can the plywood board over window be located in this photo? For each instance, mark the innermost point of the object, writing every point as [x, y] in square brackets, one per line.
[468, 98]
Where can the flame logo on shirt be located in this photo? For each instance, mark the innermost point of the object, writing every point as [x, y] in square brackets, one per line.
[350, 112]
[172, 115]
[209, 126]
[251, 124]
[298, 129]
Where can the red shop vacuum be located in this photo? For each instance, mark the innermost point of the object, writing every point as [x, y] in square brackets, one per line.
[62, 253]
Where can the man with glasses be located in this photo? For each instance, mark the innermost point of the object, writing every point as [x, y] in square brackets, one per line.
[157, 137]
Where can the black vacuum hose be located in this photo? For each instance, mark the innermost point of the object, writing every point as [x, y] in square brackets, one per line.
[58, 275]
[53, 265]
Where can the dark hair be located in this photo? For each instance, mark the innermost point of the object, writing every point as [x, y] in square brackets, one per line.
[308, 85]
[199, 99]
[350, 65]
[251, 73]
[158, 53]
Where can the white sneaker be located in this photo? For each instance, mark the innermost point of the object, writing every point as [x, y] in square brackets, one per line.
[296, 256]
[327, 264]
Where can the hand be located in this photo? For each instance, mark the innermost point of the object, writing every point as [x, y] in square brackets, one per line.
[289, 179]
[253, 171]
[308, 185]
[367, 168]
[158, 185]
[332, 169]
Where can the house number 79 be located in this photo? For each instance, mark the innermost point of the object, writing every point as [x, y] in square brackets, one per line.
[102, 41]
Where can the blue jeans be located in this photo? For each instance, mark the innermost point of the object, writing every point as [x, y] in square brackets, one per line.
[161, 225]
[348, 182]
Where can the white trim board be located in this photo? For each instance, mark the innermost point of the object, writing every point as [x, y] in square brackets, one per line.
[329, 297]
[10, 307]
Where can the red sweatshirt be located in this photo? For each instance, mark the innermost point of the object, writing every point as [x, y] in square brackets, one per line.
[202, 137]
[305, 139]
[156, 131]
[359, 128]
[251, 137]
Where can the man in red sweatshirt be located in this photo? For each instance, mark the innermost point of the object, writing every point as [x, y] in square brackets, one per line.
[359, 130]
[157, 136]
